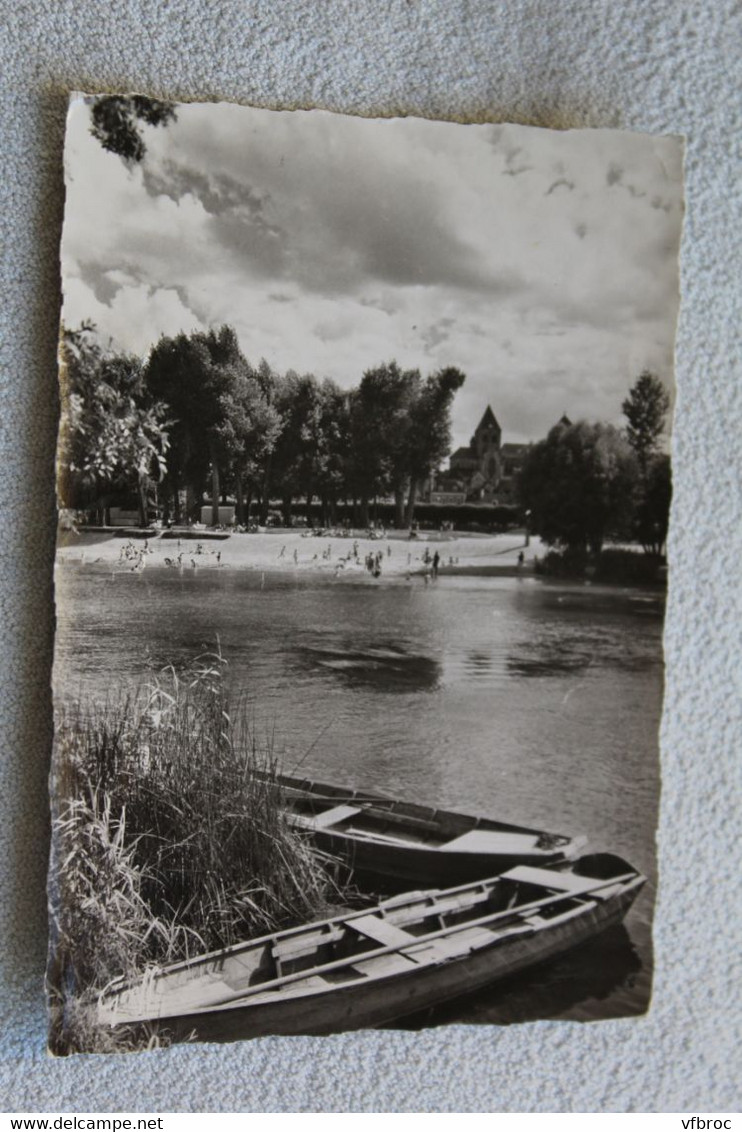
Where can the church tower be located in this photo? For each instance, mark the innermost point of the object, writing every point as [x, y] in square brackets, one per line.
[486, 443]
[486, 470]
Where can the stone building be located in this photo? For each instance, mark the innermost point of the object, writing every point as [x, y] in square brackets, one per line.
[484, 471]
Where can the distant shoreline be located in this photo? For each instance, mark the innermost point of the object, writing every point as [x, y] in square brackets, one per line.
[299, 553]
[288, 551]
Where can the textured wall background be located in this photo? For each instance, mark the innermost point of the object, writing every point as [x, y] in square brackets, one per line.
[662, 67]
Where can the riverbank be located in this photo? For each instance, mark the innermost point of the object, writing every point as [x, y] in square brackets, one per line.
[149, 786]
[295, 550]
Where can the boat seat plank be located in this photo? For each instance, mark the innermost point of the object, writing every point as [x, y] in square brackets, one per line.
[311, 983]
[425, 951]
[393, 964]
[491, 841]
[332, 817]
[445, 905]
[549, 878]
[471, 939]
[303, 944]
[452, 946]
[380, 930]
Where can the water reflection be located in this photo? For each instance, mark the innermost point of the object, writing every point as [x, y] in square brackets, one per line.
[478, 663]
[553, 653]
[384, 667]
[555, 663]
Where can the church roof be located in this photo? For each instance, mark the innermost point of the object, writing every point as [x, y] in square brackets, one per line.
[488, 419]
[466, 452]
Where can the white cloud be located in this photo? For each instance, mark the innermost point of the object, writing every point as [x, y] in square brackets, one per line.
[333, 243]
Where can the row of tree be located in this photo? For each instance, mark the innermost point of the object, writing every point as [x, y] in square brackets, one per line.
[197, 417]
[586, 483]
[196, 414]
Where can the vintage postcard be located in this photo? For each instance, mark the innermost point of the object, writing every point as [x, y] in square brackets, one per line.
[364, 482]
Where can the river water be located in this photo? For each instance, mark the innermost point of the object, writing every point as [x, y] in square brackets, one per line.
[532, 702]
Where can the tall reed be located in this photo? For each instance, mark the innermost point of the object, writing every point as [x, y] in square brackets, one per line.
[169, 839]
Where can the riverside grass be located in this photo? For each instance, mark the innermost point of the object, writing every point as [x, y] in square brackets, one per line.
[169, 839]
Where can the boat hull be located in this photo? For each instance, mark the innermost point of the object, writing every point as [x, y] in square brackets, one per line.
[465, 848]
[375, 1003]
[395, 868]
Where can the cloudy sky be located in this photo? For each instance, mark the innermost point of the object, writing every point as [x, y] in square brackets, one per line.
[543, 264]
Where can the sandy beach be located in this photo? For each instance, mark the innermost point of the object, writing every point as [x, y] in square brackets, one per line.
[296, 550]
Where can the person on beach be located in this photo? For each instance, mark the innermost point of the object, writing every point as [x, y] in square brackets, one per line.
[436, 561]
[521, 559]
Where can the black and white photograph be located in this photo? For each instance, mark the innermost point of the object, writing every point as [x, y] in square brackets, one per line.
[363, 484]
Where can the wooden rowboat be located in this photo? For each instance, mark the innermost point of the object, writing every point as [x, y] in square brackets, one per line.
[370, 967]
[403, 844]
